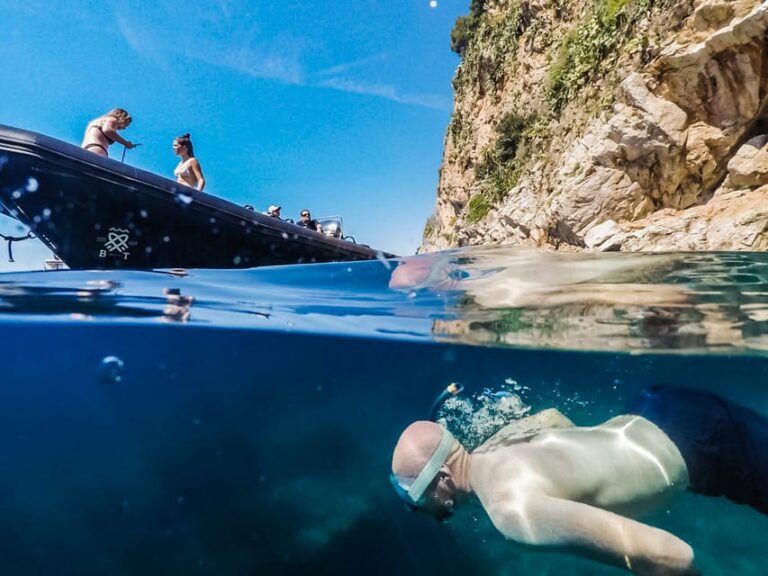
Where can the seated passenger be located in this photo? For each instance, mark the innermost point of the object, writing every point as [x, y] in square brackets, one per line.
[548, 483]
[274, 211]
[307, 222]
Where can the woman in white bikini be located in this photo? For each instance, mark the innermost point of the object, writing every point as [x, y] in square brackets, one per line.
[188, 171]
[102, 132]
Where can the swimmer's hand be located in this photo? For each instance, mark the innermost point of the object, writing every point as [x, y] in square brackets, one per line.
[593, 532]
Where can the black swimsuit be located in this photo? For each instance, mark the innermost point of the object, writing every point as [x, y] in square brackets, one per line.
[724, 445]
[94, 145]
[100, 129]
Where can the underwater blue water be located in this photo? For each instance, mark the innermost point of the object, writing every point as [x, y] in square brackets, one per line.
[242, 421]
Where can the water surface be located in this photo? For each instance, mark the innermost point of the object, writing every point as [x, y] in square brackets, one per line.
[242, 422]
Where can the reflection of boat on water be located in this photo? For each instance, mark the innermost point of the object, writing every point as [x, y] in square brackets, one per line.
[93, 212]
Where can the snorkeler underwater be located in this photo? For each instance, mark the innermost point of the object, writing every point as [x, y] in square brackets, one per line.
[546, 482]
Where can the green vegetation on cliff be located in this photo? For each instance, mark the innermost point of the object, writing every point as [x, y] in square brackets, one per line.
[465, 27]
[488, 44]
[522, 63]
[503, 163]
[593, 45]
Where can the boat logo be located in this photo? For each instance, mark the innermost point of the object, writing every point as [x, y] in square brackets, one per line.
[116, 242]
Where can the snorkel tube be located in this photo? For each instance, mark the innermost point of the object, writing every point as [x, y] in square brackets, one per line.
[453, 389]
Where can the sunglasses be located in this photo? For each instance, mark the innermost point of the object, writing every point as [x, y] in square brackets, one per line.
[306, 214]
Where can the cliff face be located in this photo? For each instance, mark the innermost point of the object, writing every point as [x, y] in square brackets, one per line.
[608, 125]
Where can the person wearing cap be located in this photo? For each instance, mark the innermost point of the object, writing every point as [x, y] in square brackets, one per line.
[548, 483]
[307, 221]
[274, 211]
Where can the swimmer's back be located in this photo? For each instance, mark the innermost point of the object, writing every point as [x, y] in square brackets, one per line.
[623, 465]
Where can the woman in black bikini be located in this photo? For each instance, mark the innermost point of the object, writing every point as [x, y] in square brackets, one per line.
[102, 132]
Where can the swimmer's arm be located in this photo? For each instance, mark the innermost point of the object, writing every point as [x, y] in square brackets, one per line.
[595, 533]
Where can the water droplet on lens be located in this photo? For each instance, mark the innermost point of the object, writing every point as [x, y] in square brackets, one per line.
[383, 259]
[111, 370]
[32, 185]
[183, 198]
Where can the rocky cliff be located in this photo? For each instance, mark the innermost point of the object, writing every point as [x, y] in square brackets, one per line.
[607, 125]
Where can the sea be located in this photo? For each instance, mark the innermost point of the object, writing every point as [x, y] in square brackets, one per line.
[242, 421]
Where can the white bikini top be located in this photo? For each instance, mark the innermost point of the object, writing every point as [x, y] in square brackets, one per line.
[182, 170]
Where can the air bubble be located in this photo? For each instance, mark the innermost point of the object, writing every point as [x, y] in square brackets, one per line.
[111, 370]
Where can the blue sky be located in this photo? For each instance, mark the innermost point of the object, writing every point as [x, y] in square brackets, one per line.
[340, 107]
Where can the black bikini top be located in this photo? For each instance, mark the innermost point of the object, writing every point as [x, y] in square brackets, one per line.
[99, 128]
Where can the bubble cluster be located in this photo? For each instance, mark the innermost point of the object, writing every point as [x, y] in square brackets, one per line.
[474, 419]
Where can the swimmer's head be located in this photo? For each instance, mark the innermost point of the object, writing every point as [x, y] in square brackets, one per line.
[420, 475]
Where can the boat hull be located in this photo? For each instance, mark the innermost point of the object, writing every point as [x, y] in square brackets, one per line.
[96, 213]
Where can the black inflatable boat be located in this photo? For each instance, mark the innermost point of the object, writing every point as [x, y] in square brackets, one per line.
[97, 213]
